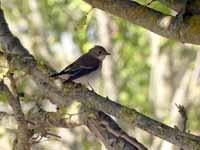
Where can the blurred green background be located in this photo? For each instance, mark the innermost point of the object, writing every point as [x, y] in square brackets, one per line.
[145, 71]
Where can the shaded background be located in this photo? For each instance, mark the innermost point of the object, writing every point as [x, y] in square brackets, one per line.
[145, 71]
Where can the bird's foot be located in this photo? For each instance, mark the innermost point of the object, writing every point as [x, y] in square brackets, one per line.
[92, 89]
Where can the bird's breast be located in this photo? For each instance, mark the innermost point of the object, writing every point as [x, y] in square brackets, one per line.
[89, 78]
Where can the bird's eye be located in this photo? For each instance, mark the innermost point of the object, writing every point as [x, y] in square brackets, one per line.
[99, 52]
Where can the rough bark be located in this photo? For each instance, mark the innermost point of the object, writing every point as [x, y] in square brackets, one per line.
[179, 5]
[186, 31]
[100, 124]
[88, 98]
[19, 58]
[176, 5]
[106, 129]
[22, 141]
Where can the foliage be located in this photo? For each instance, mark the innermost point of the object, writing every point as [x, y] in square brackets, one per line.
[132, 71]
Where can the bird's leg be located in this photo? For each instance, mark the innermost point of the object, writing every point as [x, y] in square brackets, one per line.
[91, 87]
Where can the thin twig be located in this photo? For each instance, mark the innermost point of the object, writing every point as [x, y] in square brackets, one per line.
[23, 134]
[183, 113]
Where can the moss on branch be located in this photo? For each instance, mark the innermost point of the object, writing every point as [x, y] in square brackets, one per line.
[157, 22]
[131, 116]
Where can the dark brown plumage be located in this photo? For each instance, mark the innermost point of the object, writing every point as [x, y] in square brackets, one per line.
[84, 65]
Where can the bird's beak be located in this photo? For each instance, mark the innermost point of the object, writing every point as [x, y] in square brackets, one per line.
[108, 53]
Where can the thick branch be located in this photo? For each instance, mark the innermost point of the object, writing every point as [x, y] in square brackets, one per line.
[92, 100]
[43, 119]
[11, 44]
[100, 124]
[176, 5]
[188, 31]
[23, 134]
[191, 6]
[131, 116]
[106, 129]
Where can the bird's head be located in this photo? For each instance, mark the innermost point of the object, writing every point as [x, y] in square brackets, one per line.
[98, 52]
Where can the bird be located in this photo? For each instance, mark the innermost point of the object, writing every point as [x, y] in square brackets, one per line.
[86, 68]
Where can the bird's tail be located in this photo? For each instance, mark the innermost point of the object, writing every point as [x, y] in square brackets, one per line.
[55, 74]
[62, 75]
[58, 74]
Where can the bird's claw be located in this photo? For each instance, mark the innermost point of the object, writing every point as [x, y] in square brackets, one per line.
[92, 89]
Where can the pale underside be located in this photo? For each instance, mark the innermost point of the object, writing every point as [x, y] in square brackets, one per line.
[89, 78]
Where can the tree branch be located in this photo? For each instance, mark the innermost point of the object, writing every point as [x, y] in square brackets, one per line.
[188, 31]
[46, 119]
[12, 45]
[106, 129]
[100, 124]
[131, 116]
[23, 134]
[43, 119]
[92, 100]
[9, 42]
[176, 5]
[184, 117]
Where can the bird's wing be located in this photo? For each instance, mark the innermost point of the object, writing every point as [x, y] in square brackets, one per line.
[82, 66]
[81, 71]
[64, 71]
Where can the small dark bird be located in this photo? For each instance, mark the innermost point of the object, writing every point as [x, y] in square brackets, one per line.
[86, 68]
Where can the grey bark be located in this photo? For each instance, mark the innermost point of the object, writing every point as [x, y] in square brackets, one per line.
[171, 27]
